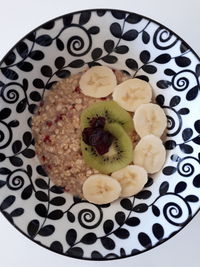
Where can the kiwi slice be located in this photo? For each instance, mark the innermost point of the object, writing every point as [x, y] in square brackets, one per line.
[120, 153]
[111, 111]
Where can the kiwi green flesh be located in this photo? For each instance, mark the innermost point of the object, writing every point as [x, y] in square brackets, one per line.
[112, 113]
[122, 146]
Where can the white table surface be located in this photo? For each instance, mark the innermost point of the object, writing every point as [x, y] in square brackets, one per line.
[18, 17]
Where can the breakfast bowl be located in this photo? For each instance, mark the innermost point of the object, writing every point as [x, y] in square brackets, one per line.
[49, 215]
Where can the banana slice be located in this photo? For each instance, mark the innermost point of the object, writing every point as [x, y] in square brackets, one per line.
[98, 81]
[132, 179]
[150, 119]
[101, 189]
[150, 153]
[132, 93]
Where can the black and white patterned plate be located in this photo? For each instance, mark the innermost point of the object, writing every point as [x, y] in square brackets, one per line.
[66, 45]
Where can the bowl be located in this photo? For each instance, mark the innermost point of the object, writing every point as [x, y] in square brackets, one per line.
[55, 219]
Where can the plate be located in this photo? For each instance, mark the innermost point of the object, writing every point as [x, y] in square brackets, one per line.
[66, 45]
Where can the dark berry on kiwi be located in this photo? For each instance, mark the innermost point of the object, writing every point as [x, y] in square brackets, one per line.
[97, 122]
[86, 134]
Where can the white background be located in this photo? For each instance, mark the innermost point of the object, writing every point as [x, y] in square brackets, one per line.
[17, 18]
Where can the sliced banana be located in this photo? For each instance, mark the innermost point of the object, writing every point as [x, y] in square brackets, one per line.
[149, 119]
[101, 189]
[150, 153]
[132, 93]
[132, 179]
[98, 81]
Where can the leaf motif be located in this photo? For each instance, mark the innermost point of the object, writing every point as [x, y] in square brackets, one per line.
[184, 111]
[84, 17]
[70, 216]
[7, 202]
[33, 227]
[192, 198]
[109, 46]
[8, 217]
[118, 14]
[170, 144]
[28, 153]
[126, 204]
[160, 99]
[149, 69]
[94, 30]
[41, 171]
[145, 37]
[60, 45]
[38, 83]
[116, 30]
[41, 210]
[17, 212]
[76, 63]
[21, 106]
[131, 64]
[96, 255]
[130, 35]
[121, 233]
[2, 183]
[44, 40]
[184, 47]
[140, 208]
[158, 231]
[57, 189]
[163, 59]
[22, 49]
[175, 158]
[133, 18]
[10, 74]
[16, 161]
[55, 215]
[41, 196]
[155, 210]
[145, 56]
[163, 84]
[41, 183]
[196, 181]
[109, 59]
[16, 146]
[163, 188]
[36, 55]
[59, 62]
[180, 187]
[47, 230]
[120, 217]
[144, 240]
[192, 93]
[5, 113]
[197, 70]
[175, 101]
[187, 149]
[197, 126]
[187, 134]
[46, 71]
[31, 36]
[96, 53]
[144, 194]
[76, 199]
[67, 19]
[56, 246]
[10, 58]
[89, 238]
[122, 49]
[169, 170]
[27, 137]
[169, 72]
[57, 201]
[27, 192]
[35, 96]
[71, 236]
[133, 221]
[13, 123]
[182, 61]
[107, 243]
[48, 25]
[5, 171]
[63, 74]
[149, 182]
[108, 226]
[75, 252]
[143, 78]
[25, 66]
